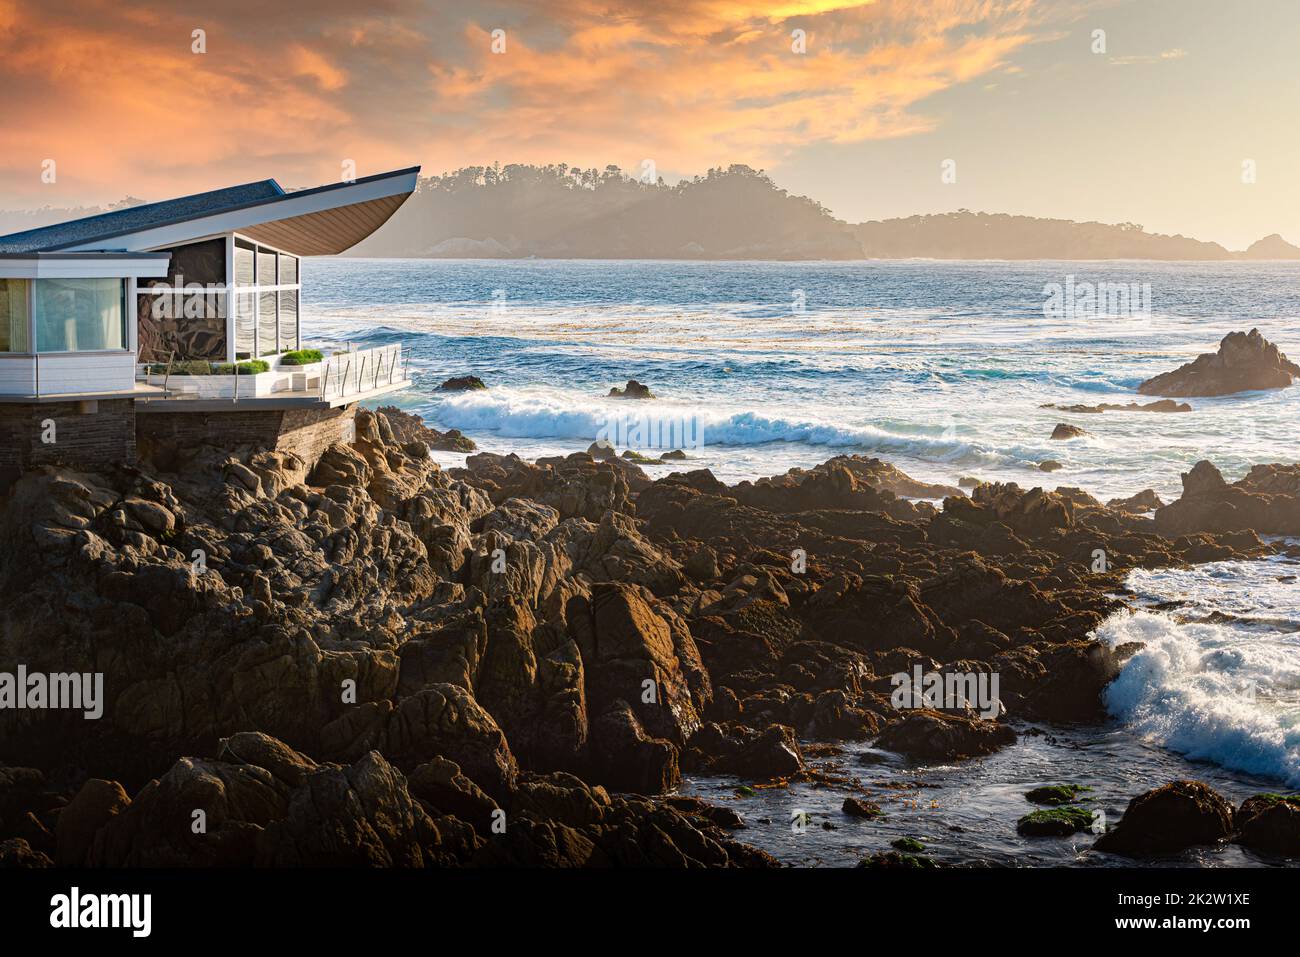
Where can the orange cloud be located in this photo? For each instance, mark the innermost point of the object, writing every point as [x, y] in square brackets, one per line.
[113, 93]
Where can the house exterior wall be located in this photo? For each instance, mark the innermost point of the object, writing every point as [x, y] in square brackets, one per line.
[81, 439]
[195, 328]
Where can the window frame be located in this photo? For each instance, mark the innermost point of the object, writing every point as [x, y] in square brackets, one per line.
[122, 318]
[33, 347]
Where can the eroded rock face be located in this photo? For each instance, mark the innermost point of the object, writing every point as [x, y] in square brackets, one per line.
[408, 427]
[1245, 361]
[1266, 502]
[1169, 818]
[363, 661]
[927, 735]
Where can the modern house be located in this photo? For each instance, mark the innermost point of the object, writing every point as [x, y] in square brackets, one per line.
[138, 320]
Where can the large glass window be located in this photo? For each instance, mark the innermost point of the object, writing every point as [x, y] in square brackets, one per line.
[78, 315]
[267, 326]
[13, 315]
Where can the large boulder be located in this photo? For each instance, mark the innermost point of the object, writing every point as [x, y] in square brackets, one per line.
[97, 803]
[626, 758]
[929, 735]
[1244, 362]
[1270, 823]
[632, 653]
[445, 720]
[745, 752]
[1169, 818]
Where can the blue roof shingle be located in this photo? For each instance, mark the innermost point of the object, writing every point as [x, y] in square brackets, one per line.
[105, 226]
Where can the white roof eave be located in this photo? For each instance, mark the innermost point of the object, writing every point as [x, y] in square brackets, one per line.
[282, 207]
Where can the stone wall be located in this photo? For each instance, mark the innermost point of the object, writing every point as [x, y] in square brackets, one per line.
[307, 432]
[61, 433]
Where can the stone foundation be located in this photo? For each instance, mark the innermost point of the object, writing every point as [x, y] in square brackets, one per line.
[74, 434]
[306, 432]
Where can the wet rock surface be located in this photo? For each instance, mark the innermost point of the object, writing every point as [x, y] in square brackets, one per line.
[1178, 815]
[368, 660]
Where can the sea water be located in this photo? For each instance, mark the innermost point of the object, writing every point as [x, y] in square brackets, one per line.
[944, 369]
[940, 367]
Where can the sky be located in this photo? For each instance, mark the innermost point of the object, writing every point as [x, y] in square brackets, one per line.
[1178, 115]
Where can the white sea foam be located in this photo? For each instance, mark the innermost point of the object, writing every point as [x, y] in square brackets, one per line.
[1217, 678]
[946, 369]
[558, 414]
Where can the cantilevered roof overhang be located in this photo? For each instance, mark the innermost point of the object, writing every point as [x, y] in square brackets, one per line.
[310, 222]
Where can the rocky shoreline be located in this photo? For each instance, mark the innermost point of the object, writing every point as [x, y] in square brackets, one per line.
[369, 660]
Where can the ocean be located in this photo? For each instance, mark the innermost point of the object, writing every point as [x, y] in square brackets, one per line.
[942, 368]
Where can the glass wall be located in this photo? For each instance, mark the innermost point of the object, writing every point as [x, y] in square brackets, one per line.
[13, 315]
[267, 321]
[288, 303]
[79, 315]
[266, 315]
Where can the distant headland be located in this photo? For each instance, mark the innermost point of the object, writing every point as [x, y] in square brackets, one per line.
[556, 211]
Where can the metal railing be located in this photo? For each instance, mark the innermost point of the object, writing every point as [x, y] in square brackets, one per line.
[353, 373]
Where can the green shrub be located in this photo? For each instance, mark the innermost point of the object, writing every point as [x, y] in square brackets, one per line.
[301, 357]
[184, 367]
[203, 367]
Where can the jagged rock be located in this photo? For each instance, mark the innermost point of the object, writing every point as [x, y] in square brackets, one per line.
[1064, 430]
[1266, 501]
[1160, 405]
[97, 803]
[625, 757]
[1244, 362]
[927, 735]
[462, 383]
[1144, 501]
[1270, 823]
[409, 427]
[17, 853]
[633, 390]
[445, 720]
[631, 654]
[755, 755]
[856, 807]
[1057, 682]
[702, 565]
[1169, 818]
